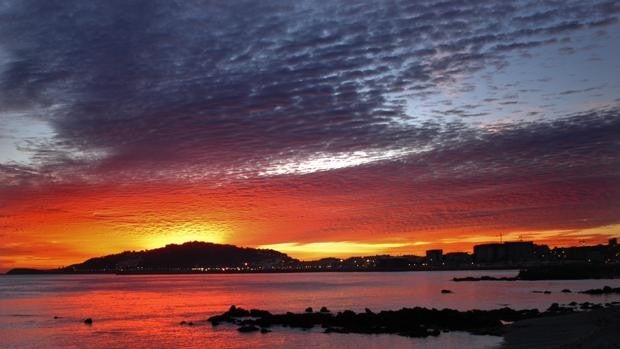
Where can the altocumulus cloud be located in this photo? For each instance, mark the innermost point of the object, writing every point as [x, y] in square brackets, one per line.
[379, 99]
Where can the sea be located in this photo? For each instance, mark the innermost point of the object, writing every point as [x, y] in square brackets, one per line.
[145, 311]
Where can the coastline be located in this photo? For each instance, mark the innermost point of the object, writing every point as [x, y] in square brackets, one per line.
[590, 329]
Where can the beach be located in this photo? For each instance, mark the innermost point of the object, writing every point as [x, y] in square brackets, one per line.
[594, 329]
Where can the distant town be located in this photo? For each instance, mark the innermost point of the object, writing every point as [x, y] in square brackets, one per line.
[507, 255]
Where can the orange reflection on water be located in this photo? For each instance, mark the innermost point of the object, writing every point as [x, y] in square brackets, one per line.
[145, 310]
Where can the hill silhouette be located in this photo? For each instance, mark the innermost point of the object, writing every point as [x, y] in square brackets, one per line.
[185, 256]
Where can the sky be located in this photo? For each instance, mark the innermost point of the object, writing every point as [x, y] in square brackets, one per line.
[317, 128]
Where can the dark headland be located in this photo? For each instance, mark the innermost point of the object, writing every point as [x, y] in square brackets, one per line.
[184, 258]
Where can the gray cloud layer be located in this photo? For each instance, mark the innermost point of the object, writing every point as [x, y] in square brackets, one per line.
[147, 89]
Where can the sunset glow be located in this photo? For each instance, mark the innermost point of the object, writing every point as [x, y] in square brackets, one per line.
[311, 130]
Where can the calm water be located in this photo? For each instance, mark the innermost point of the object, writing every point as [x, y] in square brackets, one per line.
[144, 310]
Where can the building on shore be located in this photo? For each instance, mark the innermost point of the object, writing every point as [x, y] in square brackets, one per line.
[515, 252]
[434, 257]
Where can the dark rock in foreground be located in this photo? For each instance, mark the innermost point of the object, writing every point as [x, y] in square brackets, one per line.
[248, 328]
[411, 322]
[88, 321]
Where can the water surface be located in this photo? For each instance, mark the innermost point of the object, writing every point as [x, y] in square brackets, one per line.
[144, 311]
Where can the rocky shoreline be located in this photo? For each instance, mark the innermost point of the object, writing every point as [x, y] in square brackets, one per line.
[411, 322]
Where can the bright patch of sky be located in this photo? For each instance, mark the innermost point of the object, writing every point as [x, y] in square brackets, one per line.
[325, 162]
[18, 131]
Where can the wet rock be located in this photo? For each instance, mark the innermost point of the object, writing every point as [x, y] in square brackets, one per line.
[566, 290]
[264, 330]
[446, 291]
[88, 321]
[259, 313]
[554, 307]
[248, 328]
[183, 322]
[411, 322]
[604, 290]
[237, 312]
[56, 317]
[484, 278]
[547, 292]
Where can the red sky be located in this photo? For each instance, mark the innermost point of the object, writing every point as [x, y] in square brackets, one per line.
[334, 213]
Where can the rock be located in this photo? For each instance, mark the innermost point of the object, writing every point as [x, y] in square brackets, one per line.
[237, 312]
[484, 278]
[190, 323]
[554, 308]
[264, 330]
[411, 322]
[566, 290]
[248, 328]
[547, 292]
[56, 317]
[309, 310]
[434, 332]
[604, 290]
[88, 321]
[259, 313]
[183, 322]
[446, 291]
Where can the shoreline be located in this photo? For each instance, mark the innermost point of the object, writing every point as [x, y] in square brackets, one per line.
[599, 328]
[283, 271]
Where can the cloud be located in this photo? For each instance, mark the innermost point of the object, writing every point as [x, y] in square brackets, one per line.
[379, 118]
[236, 86]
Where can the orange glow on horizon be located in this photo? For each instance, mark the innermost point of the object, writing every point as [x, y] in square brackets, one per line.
[66, 225]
